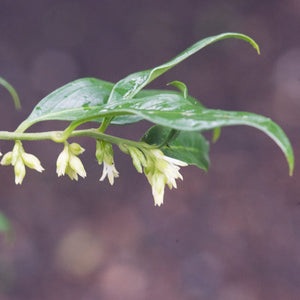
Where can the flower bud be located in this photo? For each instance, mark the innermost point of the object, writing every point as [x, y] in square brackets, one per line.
[99, 152]
[68, 162]
[17, 149]
[62, 162]
[138, 158]
[108, 153]
[76, 165]
[32, 162]
[6, 159]
[76, 149]
[20, 171]
[124, 148]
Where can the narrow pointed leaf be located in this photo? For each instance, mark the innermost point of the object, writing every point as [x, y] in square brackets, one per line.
[12, 92]
[129, 86]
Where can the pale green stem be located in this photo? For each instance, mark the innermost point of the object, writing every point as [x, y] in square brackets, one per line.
[105, 123]
[57, 136]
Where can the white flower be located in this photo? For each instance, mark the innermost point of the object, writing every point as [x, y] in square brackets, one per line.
[19, 159]
[105, 155]
[68, 162]
[6, 159]
[110, 171]
[62, 161]
[157, 181]
[161, 170]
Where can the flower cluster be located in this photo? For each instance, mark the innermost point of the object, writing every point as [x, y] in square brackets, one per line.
[19, 159]
[68, 162]
[158, 168]
[161, 170]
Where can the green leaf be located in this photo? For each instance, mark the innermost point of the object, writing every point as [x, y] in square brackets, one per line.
[129, 86]
[67, 105]
[91, 99]
[12, 92]
[173, 112]
[127, 119]
[84, 93]
[75, 98]
[181, 86]
[79, 99]
[170, 110]
[189, 146]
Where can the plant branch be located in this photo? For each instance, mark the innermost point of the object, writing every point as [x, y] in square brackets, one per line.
[56, 136]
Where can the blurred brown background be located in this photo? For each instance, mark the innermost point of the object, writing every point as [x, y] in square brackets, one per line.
[230, 234]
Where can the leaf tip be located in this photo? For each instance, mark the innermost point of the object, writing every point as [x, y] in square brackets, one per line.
[256, 47]
[17, 102]
[291, 169]
[291, 161]
[181, 86]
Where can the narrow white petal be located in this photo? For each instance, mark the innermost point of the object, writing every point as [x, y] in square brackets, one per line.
[32, 162]
[76, 164]
[104, 173]
[62, 162]
[20, 171]
[174, 161]
[71, 173]
[110, 171]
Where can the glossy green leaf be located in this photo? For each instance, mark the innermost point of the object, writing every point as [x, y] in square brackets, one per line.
[129, 86]
[172, 110]
[189, 146]
[76, 99]
[84, 93]
[71, 101]
[129, 119]
[181, 115]
[91, 99]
